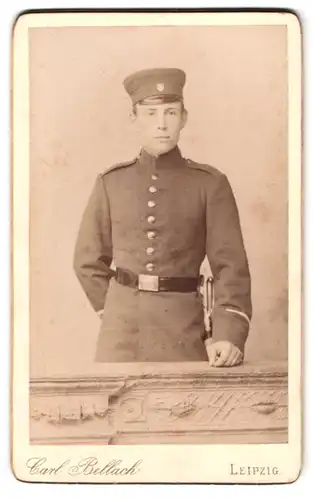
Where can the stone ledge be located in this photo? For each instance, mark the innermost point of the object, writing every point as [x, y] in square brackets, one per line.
[160, 403]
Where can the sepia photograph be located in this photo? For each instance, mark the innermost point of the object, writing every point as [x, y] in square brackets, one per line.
[157, 246]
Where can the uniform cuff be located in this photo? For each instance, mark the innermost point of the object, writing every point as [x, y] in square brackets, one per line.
[233, 328]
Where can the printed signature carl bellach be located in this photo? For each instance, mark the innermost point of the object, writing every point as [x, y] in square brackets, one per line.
[89, 466]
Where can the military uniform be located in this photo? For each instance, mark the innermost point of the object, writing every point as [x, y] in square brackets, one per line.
[157, 218]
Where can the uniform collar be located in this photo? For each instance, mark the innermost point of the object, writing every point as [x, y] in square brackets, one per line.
[170, 159]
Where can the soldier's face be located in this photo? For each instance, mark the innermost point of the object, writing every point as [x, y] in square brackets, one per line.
[159, 125]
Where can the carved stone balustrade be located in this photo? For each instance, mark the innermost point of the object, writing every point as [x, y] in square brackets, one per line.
[162, 403]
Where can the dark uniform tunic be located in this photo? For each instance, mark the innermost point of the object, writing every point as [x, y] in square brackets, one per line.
[161, 216]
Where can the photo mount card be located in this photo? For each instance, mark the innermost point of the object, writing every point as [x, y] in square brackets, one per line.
[156, 247]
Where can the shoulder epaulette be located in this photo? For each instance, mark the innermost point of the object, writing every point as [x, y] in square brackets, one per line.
[205, 168]
[120, 165]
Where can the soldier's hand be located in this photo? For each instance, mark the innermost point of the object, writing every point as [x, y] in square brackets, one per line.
[223, 353]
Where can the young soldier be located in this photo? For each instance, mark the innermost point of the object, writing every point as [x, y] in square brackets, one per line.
[156, 217]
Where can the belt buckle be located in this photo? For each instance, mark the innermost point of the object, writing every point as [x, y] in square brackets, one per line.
[148, 283]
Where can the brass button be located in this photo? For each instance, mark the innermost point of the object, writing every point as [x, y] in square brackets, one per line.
[154, 177]
[151, 219]
[150, 266]
[152, 189]
[151, 235]
[150, 250]
[151, 203]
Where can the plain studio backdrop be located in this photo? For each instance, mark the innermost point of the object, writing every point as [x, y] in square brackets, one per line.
[236, 96]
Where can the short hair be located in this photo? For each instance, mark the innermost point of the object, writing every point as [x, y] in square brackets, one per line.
[159, 99]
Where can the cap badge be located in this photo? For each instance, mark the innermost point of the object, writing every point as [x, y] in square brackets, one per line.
[160, 87]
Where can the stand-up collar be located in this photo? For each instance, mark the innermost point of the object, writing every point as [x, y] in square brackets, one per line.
[170, 159]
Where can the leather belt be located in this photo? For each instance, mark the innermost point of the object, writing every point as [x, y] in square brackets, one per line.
[150, 283]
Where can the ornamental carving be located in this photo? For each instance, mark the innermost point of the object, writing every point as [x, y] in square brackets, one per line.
[63, 412]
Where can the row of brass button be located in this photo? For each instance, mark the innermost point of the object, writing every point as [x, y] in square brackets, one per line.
[151, 220]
